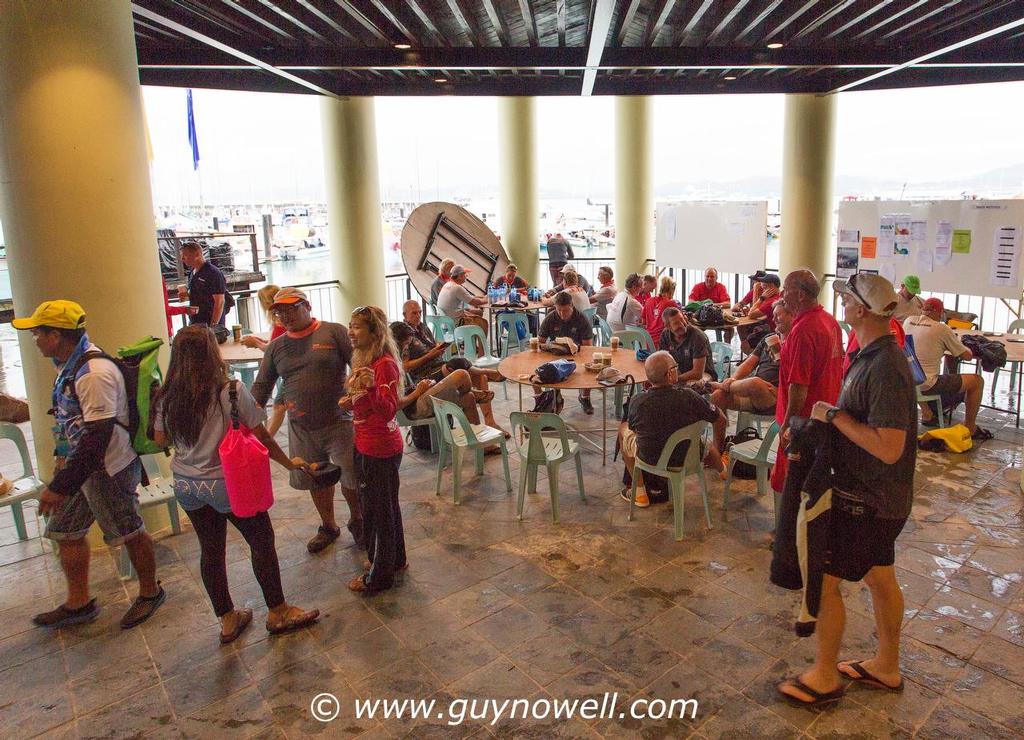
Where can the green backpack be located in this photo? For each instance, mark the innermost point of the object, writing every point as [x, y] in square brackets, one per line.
[142, 378]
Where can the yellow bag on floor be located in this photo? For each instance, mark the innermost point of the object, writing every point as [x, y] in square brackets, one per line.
[957, 437]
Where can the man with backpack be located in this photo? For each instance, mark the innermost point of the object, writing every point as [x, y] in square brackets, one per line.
[97, 468]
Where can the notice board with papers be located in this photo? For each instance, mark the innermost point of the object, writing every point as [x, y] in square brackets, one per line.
[729, 235]
[971, 247]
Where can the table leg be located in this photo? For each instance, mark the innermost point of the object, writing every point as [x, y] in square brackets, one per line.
[1020, 373]
[604, 426]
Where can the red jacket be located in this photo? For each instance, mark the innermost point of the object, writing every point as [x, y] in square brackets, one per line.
[373, 412]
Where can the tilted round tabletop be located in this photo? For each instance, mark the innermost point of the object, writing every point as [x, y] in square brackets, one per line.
[524, 363]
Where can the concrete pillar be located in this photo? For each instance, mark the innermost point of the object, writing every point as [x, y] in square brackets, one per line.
[808, 163]
[353, 202]
[634, 191]
[76, 202]
[517, 165]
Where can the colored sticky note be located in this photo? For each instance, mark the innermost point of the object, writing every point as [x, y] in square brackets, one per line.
[961, 241]
[868, 247]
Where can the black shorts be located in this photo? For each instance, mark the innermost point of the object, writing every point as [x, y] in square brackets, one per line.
[949, 388]
[860, 540]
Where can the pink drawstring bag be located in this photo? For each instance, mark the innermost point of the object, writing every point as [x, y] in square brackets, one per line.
[246, 464]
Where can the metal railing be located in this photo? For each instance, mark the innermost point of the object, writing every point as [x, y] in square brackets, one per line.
[252, 318]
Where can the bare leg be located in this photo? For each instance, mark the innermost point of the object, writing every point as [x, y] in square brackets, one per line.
[974, 387]
[277, 414]
[323, 500]
[140, 550]
[352, 499]
[823, 676]
[887, 599]
[74, 559]
[630, 461]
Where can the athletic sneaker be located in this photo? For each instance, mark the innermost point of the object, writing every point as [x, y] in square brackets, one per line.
[641, 497]
[143, 608]
[64, 617]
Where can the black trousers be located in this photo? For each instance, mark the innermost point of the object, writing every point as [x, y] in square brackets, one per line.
[211, 527]
[382, 517]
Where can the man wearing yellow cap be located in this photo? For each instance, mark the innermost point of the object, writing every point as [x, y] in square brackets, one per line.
[97, 469]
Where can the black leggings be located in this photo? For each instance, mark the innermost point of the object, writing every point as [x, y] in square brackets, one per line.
[382, 517]
[211, 527]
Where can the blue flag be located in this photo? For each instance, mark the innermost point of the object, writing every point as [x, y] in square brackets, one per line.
[192, 140]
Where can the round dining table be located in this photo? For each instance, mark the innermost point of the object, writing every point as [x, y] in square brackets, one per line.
[241, 359]
[519, 367]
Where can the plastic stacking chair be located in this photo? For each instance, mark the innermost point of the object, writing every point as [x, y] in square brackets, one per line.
[760, 453]
[405, 422]
[935, 403]
[508, 324]
[637, 338]
[548, 451]
[746, 419]
[677, 476]
[465, 335]
[26, 487]
[721, 355]
[591, 314]
[442, 327]
[604, 333]
[459, 436]
[159, 492]
[1015, 327]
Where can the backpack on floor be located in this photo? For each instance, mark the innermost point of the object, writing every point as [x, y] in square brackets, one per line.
[742, 470]
[420, 437]
[142, 379]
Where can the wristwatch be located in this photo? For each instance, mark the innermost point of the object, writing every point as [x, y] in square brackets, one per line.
[830, 415]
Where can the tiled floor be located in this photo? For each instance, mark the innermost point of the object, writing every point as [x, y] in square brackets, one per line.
[492, 607]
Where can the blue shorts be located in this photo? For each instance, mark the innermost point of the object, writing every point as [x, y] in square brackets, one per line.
[110, 501]
[195, 493]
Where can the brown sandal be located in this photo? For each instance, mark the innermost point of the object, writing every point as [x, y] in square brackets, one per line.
[244, 620]
[297, 619]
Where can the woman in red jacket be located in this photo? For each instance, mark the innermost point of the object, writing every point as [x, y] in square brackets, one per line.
[373, 390]
[653, 309]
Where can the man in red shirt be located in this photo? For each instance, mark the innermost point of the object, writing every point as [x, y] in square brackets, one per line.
[711, 290]
[647, 288]
[811, 364]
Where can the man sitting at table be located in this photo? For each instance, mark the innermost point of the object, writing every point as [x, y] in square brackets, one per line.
[626, 310]
[581, 281]
[564, 321]
[655, 414]
[648, 288]
[711, 290]
[511, 279]
[457, 303]
[606, 293]
[933, 339]
[688, 345]
[754, 385]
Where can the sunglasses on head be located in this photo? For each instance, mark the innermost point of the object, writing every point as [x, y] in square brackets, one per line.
[852, 283]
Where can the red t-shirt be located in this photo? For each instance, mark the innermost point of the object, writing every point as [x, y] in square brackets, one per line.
[701, 292]
[812, 355]
[643, 297]
[373, 412]
[651, 315]
[853, 345]
[766, 308]
[277, 331]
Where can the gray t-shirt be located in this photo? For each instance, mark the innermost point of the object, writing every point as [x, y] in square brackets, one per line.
[453, 299]
[202, 460]
[314, 366]
[602, 297]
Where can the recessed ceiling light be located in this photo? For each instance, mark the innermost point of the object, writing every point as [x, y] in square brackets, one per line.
[403, 47]
[731, 77]
[440, 80]
[775, 45]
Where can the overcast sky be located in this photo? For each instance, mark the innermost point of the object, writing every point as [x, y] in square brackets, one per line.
[259, 147]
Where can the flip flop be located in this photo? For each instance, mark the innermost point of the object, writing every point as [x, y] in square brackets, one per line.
[818, 699]
[861, 674]
[304, 619]
[981, 434]
[243, 621]
[483, 396]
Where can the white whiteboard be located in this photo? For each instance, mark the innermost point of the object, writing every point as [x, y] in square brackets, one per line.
[731, 236]
[990, 230]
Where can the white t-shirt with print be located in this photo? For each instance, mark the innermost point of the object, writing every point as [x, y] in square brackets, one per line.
[102, 395]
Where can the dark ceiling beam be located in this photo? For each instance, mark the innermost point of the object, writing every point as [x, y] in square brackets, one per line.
[599, 26]
[776, 32]
[162, 33]
[529, 21]
[822, 19]
[932, 55]
[210, 20]
[625, 21]
[657, 20]
[727, 20]
[920, 19]
[497, 22]
[871, 10]
[761, 17]
[328, 21]
[688, 28]
[886, 21]
[424, 19]
[359, 17]
[274, 8]
[395, 21]
[461, 17]
[967, 20]
[220, 46]
[257, 18]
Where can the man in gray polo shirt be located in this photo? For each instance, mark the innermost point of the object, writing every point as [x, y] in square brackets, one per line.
[874, 454]
[313, 358]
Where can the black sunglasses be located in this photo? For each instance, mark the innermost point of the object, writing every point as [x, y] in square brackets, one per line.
[852, 282]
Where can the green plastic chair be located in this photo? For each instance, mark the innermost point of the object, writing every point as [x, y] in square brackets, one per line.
[591, 314]
[760, 453]
[548, 451]
[1015, 327]
[846, 332]
[459, 436]
[27, 487]
[636, 338]
[465, 335]
[746, 419]
[429, 421]
[935, 402]
[721, 356]
[677, 476]
[604, 332]
[507, 326]
[442, 327]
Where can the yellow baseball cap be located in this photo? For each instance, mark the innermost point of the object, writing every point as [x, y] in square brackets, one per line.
[55, 314]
